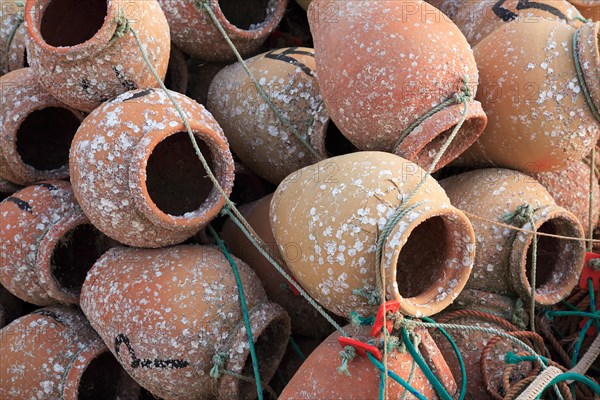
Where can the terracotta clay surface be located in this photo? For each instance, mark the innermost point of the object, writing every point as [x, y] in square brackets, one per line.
[341, 205]
[78, 54]
[383, 65]
[164, 313]
[47, 244]
[12, 51]
[477, 19]
[36, 130]
[306, 320]
[54, 353]
[136, 174]
[589, 8]
[247, 23]
[318, 378]
[539, 119]
[503, 260]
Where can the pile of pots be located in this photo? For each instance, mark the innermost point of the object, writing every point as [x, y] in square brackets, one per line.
[436, 157]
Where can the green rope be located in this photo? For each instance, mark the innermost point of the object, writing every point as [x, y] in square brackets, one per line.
[512, 358]
[238, 281]
[218, 365]
[457, 98]
[396, 378]
[205, 4]
[411, 376]
[581, 77]
[373, 298]
[518, 315]
[297, 349]
[348, 353]
[357, 320]
[20, 16]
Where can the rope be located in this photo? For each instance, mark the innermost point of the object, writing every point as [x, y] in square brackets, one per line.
[581, 77]
[348, 353]
[240, 288]
[396, 378]
[20, 16]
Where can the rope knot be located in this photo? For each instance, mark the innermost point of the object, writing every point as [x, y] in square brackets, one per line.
[123, 25]
[465, 94]
[347, 354]
[218, 365]
[518, 315]
[373, 298]
[520, 216]
[398, 319]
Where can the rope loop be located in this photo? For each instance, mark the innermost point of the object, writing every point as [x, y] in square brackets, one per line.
[348, 354]
[218, 364]
[520, 216]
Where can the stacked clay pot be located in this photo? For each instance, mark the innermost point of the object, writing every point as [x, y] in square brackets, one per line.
[538, 116]
[47, 244]
[310, 382]
[257, 135]
[136, 174]
[247, 24]
[477, 19]
[165, 314]
[394, 71]
[305, 319]
[12, 36]
[36, 130]
[503, 259]
[54, 353]
[96, 58]
[340, 206]
[589, 8]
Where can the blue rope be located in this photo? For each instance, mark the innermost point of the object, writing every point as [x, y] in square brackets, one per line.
[238, 282]
[395, 377]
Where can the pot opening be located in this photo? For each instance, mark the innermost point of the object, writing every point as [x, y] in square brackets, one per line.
[247, 14]
[44, 138]
[422, 258]
[66, 23]
[103, 379]
[336, 144]
[75, 254]
[269, 347]
[175, 177]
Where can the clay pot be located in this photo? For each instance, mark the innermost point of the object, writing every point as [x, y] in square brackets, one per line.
[136, 174]
[503, 260]
[589, 8]
[539, 119]
[166, 312]
[306, 321]
[257, 136]
[292, 361]
[47, 243]
[391, 73]
[570, 188]
[12, 56]
[317, 378]
[36, 130]
[340, 206]
[248, 23]
[78, 55]
[54, 353]
[482, 353]
[177, 76]
[477, 19]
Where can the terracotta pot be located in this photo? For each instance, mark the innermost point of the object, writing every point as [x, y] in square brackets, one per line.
[391, 73]
[177, 76]
[477, 19]
[317, 378]
[248, 23]
[54, 353]
[166, 341]
[340, 206]
[589, 8]
[36, 130]
[257, 136]
[306, 321]
[292, 361]
[491, 311]
[84, 64]
[12, 51]
[136, 174]
[539, 119]
[570, 188]
[11, 307]
[47, 243]
[503, 260]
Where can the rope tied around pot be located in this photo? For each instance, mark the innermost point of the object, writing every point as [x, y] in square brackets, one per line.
[581, 77]
[347, 354]
[465, 95]
[218, 364]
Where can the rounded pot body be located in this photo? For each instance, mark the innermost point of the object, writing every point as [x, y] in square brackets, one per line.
[53, 353]
[47, 243]
[36, 130]
[306, 321]
[341, 205]
[84, 64]
[136, 174]
[247, 23]
[503, 263]
[12, 36]
[166, 312]
[392, 73]
[589, 8]
[318, 378]
[538, 117]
